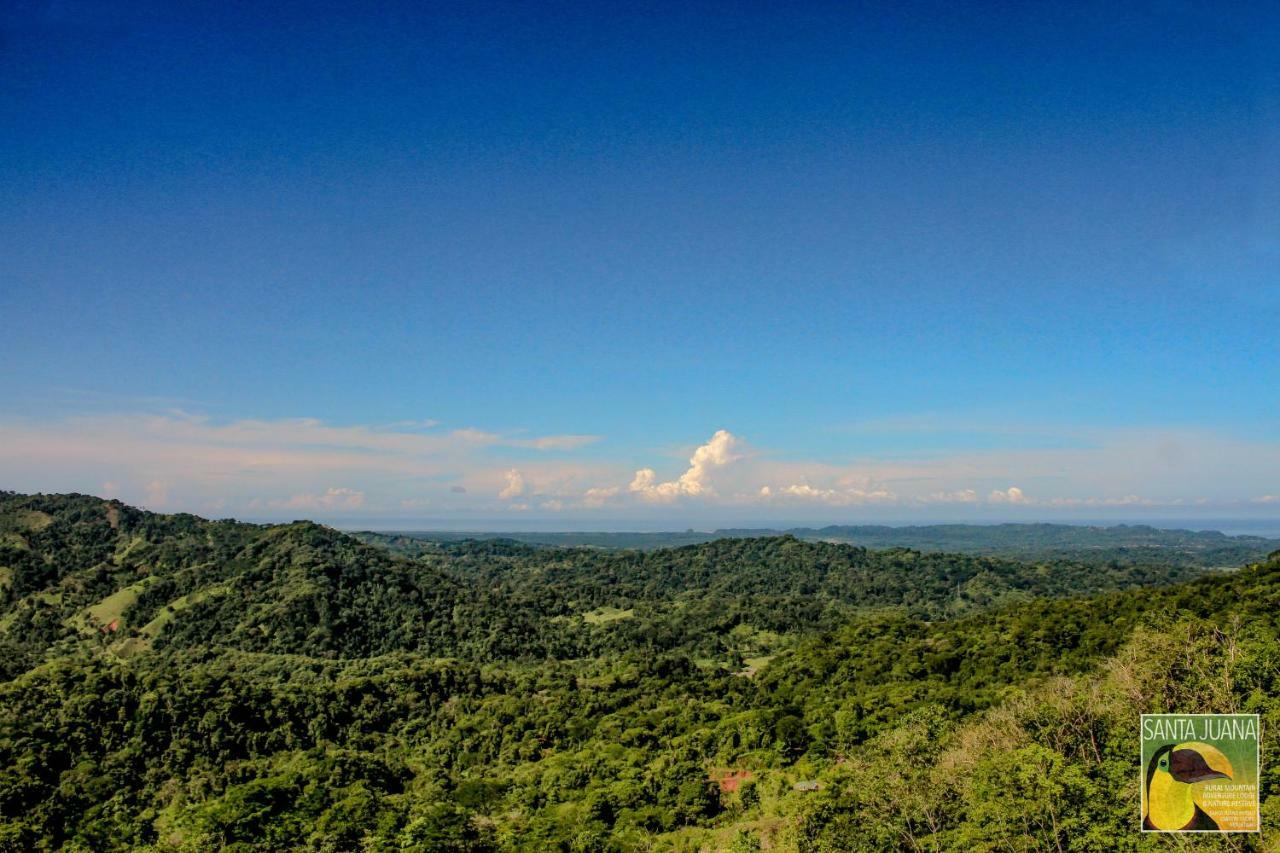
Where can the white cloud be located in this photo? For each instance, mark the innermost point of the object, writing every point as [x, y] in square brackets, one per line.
[960, 496]
[178, 461]
[695, 482]
[515, 485]
[597, 497]
[1011, 495]
[834, 497]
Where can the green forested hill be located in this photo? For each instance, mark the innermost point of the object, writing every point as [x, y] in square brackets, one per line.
[83, 569]
[1082, 543]
[289, 688]
[1121, 543]
[80, 568]
[928, 585]
[734, 597]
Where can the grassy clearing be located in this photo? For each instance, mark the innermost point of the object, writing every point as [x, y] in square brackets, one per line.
[33, 520]
[129, 547]
[130, 646]
[153, 628]
[112, 607]
[604, 615]
[14, 540]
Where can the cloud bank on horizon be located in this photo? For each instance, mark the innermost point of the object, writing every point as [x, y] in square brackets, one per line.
[284, 468]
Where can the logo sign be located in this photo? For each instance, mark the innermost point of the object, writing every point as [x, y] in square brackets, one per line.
[1200, 773]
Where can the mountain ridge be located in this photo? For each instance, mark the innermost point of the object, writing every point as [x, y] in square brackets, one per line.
[860, 730]
[1130, 543]
[79, 568]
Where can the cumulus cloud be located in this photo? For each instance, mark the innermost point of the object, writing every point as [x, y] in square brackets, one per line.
[1011, 495]
[646, 484]
[178, 461]
[599, 496]
[515, 485]
[834, 497]
[695, 482]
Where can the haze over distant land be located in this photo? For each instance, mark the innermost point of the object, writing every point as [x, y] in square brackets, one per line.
[579, 265]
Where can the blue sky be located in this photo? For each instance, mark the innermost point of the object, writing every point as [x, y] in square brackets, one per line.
[382, 262]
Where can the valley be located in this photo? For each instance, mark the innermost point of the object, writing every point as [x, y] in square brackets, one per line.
[173, 683]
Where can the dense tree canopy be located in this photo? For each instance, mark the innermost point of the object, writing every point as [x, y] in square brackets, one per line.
[177, 684]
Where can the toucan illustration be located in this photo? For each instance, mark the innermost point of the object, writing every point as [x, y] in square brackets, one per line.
[1172, 771]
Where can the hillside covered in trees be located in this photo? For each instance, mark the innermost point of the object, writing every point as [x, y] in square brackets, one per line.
[1121, 543]
[172, 683]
